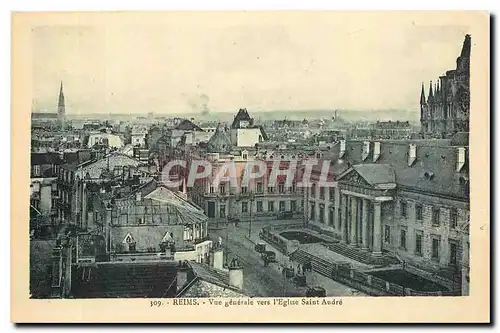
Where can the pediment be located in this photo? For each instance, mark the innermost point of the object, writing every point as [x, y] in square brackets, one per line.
[353, 177]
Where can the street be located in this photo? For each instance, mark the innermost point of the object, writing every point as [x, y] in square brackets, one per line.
[268, 281]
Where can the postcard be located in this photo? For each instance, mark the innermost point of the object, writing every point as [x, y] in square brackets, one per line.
[261, 167]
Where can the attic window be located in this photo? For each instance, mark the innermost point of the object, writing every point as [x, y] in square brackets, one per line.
[282, 157]
[293, 156]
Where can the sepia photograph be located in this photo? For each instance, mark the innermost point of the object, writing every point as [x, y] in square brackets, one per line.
[232, 161]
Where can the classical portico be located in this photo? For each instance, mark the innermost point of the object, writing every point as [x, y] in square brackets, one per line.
[363, 190]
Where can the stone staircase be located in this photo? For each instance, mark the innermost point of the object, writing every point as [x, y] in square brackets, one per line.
[319, 265]
[124, 280]
[363, 256]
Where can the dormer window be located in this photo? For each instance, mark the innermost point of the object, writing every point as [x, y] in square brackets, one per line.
[412, 154]
[460, 158]
[376, 151]
[366, 150]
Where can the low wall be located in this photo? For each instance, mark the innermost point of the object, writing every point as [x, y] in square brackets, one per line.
[359, 280]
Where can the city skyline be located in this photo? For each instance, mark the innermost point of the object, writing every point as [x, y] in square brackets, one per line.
[254, 63]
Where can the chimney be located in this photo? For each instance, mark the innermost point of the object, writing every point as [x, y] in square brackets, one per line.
[366, 150]
[217, 258]
[342, 148]
[412, 154]
[236, 274]
[460, 158]
[376, 151]
[182, 277]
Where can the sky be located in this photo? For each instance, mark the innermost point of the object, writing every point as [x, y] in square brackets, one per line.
[224, 63]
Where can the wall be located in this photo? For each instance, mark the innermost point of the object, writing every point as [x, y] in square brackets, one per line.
[248, 137]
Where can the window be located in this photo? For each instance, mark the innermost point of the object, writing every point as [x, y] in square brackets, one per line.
[293, 205]
[244, 207]
[282, 206]
[418, 212]
[140, 220]
[332, 194]
[36, 170]
[330, 218]
[259, 207]
[244, 189]
[403, 207]
[313, 190]
[435, 248]
[322, 214]
[222, 211]
[402, 242]
[313, 213]
[270, 189]
[453, 218]
[212, 190]
[270, 206]
[435, 216]
[387, 234]
[453, 253]
[294, 188]
[188, 233]
[259, 187]
[418, 243]
[281, 188]
[222, 189]
[322, 193]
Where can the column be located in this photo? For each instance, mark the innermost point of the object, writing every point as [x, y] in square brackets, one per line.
[365, 223]
[354, 233]
[377, 228]
[343, 210]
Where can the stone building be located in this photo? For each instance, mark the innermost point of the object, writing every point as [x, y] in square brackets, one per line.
[258, 200]
[446, 110]
[405, 198]
[138, 221]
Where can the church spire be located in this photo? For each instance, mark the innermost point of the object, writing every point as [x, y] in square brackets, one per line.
[430, 92]
[61, 96]
[422, 95]
[61, 107]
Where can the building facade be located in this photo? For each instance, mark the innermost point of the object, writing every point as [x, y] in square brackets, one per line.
[408, 199]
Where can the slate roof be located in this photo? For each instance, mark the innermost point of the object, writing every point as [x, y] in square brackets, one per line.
[188, 125]
[121, 280]
[242, 115]
[376, 174]
[95, 168]
[434, 157]
[187, 211]
[208, 282]
[219, 142]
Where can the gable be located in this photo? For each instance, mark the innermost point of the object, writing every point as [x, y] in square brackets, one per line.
[353, 177]
[129, 239]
